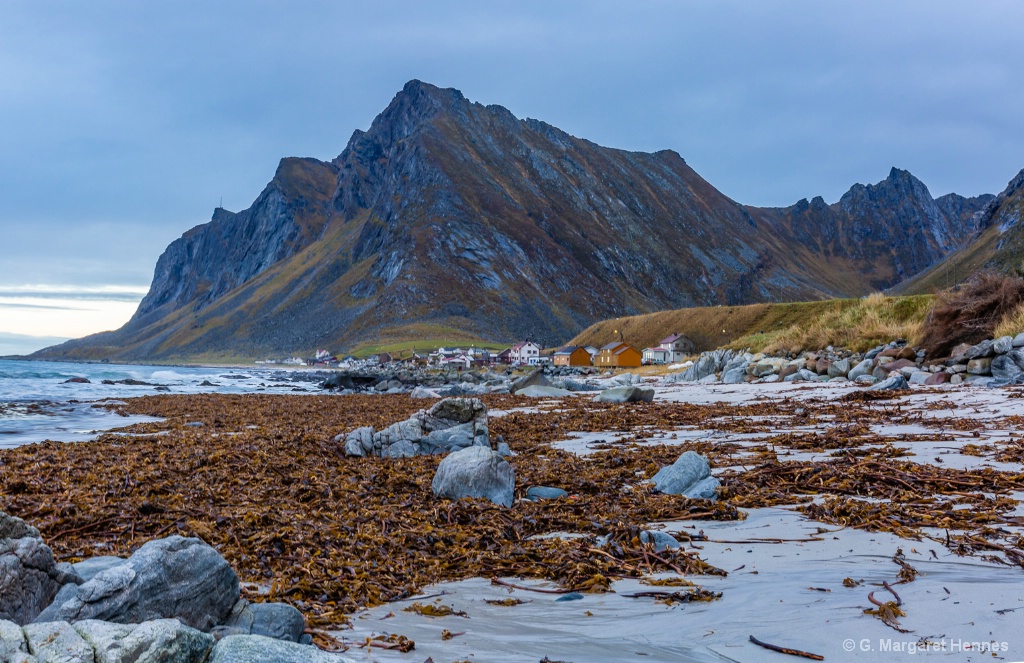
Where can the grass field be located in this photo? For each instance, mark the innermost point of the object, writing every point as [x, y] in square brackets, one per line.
[852, 323]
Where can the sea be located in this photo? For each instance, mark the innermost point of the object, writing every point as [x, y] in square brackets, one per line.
[37, 401]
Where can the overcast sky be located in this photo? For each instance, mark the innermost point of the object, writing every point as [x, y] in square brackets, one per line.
[123, 124]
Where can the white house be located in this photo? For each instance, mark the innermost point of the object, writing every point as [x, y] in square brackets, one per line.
[676, 347]
[523, 352]
[657, 355]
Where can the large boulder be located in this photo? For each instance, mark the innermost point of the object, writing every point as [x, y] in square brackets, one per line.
[258, 649]
[535, 377]
[13, 647]
[627, 395]
[273, 620]
[176, 577]
[540, 391]
[689, 476]
[1002, 345]
[941, 377]
[29, 576]
[452, 423]
[475, 472]
[58, 641]
[1004, 367]
[155, 641]
[12, 527]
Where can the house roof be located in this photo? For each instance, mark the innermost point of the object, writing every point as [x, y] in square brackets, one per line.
[670, 339]
[620, 350]
[567, 350]
[612, 346]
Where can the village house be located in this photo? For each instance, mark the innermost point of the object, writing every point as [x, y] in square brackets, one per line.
[522, 353]
[572, 355]
[618, 355]
[504, 357]
[670, 350]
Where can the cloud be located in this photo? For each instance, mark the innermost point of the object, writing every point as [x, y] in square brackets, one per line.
[23, 344]
[65, 292]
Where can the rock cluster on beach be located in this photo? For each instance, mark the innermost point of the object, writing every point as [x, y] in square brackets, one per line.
[896, 365]
[174, 600]
[449, 425]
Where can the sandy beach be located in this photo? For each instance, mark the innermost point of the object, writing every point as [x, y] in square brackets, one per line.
[907, 504]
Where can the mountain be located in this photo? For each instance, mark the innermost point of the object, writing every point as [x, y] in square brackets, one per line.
[997, 244]
[448, 217]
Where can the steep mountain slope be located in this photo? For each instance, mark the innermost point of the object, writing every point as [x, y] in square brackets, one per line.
[449, 216]
[997, 244]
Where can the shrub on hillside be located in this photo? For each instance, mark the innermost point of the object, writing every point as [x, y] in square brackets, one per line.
[971, 313]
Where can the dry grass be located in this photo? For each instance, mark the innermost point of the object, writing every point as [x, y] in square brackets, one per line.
[872, 320]
[854, 323]
[1011, 324]
[973, 313]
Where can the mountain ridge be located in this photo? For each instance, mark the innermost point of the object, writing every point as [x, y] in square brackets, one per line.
[448, 215]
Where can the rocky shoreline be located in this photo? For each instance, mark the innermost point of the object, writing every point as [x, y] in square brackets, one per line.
[174, 600]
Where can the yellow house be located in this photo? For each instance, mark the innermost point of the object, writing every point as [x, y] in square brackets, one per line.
[572, 355]
[618, 355]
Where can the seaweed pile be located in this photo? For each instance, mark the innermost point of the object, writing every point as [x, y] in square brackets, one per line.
[261, 478]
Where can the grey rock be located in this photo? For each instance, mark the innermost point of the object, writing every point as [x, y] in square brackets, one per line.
[448, 439]
[983, 349]
[57, 642]
[261, 649]
[278, 620]
[627, 395]
[660, 540]
[735, 375]
[176, 577]
[1003, 367]
[423, 392]
[154, 641]
[839, 368]
[537, 493]
[873, 352]
[625, 380]
[709, 379]
[866, 379]
[918, 377]
[862, 368]
[87, 569]
[540, 391]
[576, 385]
[680, 476]
[770, 378]
[12, 527]
[893, 383]
[475, 472]
[13, 646]
[535, 377]
[705, 489]
[359, 442]
[400, 449]
[29, 578]
[1002, 345]
[65, 593]
[1018, 340]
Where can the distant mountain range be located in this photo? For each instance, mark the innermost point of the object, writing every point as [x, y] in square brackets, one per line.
[997, 245]
[450, 217]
